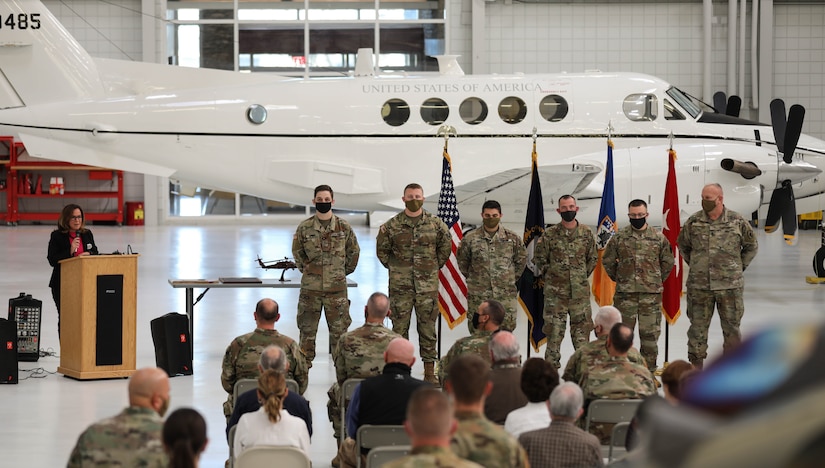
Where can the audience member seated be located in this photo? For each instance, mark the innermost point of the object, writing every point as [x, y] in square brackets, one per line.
[538, 379]
[430, 425]
[477, 438]
[184, 438]
[616, 378]
[132, 438]
[274, 358]
[595, 352]
[271, 424]
[360, 353]
[506, 394]
[562, 444]
[241, 358]
[487, 320]
[381, 400]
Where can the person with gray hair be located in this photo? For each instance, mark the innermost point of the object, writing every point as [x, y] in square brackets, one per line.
[506, 394]
[272, 358]
[562, 443]
[595, 352]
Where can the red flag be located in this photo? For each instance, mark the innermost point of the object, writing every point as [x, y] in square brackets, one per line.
[672, 295]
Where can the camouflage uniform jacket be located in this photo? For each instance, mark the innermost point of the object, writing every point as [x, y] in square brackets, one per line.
[566, 258]
[717, 251]
[325, 255]
[244, 353]
[130, 439]
[360, 353]
[590, 355]
[413, 251]
[617, 379]
[478, 343]
[493, 263]
[638, 261]
[480, 440]
[429, 457]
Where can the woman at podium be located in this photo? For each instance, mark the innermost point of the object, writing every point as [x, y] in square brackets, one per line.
[70, 239]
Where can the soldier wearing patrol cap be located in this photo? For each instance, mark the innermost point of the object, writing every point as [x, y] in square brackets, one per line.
[718, 244]
[325, 251]
[413, 246]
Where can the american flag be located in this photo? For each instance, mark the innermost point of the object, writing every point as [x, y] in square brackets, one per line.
[452, 287]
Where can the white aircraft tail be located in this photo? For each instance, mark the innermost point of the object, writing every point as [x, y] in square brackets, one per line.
[39, 60]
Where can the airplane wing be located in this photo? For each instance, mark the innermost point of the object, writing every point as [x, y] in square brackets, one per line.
[514, 184]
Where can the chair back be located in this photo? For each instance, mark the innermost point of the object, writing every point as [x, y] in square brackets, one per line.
[232, 444]
[292, 386]
[347, 389]
[618, 437]
[610, 411]
[371, 436]
[267, 456]
[242, 386]
[380, 455]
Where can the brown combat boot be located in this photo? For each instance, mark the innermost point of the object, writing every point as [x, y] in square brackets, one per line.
[429, 374]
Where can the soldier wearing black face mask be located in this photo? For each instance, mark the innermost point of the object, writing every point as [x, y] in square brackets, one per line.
[638, 258]
[326, 251]
[486, 321]
[566, 256]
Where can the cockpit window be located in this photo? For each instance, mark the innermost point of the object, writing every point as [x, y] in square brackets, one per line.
[671, 112]
[640, 107]
[435, 111]
[473, 110]
[689, 103]
[395, 112]
[512, 110]
[553, 108]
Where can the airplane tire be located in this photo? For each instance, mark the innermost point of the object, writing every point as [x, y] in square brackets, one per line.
[819, 262]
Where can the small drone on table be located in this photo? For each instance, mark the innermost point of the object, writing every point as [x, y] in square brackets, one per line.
[283, 265]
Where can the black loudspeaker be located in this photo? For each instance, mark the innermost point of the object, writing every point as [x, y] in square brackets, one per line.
[8, 351]
[109, 333]
[173, 345]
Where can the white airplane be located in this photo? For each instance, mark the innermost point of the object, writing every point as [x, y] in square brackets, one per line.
[369, 135]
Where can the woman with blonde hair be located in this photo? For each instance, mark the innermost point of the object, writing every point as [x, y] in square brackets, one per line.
[271, 424]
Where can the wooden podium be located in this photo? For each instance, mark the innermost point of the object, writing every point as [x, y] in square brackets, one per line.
[98, 302]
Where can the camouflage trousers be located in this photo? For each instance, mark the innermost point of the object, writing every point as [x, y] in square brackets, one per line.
[510, 307]
[336, 310]
[700, 304]
[334, 408]
[647, 307]
[556, 310]
[426, 314]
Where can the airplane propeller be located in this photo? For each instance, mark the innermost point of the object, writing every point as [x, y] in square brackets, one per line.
[783, 204]
[729, 106]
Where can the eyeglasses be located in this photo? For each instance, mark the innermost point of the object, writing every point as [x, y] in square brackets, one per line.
[76, 217]
[636, 215]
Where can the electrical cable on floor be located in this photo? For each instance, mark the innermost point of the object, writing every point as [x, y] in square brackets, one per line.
[48, 352]
[36, 373]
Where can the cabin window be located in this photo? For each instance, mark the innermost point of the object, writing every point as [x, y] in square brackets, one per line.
[435, 111]
[512, 110]
[256, 114]
[641, 107]
[553, 108]
[671, 112]
[473, 110]
[395, 112]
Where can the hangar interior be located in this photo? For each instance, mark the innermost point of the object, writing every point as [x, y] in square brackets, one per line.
[221, 234]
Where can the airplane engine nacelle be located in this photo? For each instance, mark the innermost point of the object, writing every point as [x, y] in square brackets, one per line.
[747, 169]
[744, 198]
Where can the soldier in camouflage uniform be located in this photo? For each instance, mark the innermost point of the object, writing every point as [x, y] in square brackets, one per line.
[133, 437]
[616, 378]
[566, 255]
[360, 353]
[477, 438]
[242, 355]
[717, 244]
[325, 251]
[413, 246]
[639, 259]
[487, 320]
[492, 260]
[595, 352]
[429, 424]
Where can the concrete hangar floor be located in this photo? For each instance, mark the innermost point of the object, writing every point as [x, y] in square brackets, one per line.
[43, 415]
